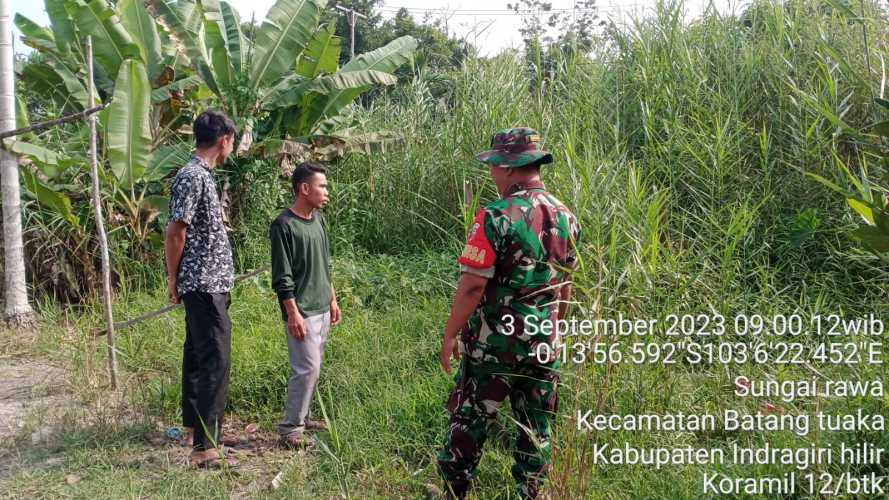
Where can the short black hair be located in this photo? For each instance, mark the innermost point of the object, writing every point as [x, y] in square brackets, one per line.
[533, 166]
[303, 172]
[210, 125]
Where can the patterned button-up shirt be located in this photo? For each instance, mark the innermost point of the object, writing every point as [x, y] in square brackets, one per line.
[206, 264]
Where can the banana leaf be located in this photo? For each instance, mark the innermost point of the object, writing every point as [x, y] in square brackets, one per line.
[386, 59]
[128, 127]
[217, 46]
[322, 55]
[164, 93]
[141, 26]
[35, 36]
[235, 40]
[21, 113]
[33, 151]
[288, 27]
[49, 198]
[183, 20]
[57, 85]
[290, 95]
[167, 159]
[67, 40]
[112, 43]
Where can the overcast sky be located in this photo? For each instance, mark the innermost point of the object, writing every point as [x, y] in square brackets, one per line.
[486, 23]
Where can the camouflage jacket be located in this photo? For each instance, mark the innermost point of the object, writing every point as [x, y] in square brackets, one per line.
[525, 243]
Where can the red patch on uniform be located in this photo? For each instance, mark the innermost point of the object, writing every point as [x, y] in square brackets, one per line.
[478, 252]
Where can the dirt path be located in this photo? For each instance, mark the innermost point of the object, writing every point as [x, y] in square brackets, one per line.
[28, 388]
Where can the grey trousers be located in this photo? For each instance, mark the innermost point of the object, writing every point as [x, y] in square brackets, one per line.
[305, 360]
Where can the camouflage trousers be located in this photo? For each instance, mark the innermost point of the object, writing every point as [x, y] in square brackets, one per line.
[481, 388]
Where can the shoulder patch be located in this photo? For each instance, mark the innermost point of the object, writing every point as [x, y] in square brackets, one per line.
[478, 252]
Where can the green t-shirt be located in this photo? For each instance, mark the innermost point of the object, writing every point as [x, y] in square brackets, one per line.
[301, 262]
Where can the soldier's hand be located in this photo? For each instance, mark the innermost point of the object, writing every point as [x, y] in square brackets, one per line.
[450, 347]
[296, 326]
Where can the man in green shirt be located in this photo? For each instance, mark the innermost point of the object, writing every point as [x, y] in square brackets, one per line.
[301, 278]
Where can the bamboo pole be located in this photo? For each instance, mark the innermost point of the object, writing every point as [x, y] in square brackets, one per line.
[100, 222]
[37, 127]
[166, 309]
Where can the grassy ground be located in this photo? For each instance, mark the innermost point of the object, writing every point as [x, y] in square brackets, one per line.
[381, 389]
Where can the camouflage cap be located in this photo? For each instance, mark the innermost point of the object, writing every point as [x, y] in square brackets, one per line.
[515, 147]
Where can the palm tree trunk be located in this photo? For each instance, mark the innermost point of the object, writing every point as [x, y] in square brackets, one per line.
[17, 310]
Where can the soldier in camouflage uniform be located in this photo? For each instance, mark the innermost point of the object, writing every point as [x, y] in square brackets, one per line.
[515, 266]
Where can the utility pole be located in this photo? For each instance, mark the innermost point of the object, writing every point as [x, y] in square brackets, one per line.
[352, 16]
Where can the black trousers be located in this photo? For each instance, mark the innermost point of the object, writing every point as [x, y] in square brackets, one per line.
[206, 362]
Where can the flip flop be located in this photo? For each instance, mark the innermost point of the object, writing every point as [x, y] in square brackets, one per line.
[217, 463]
[223, 457]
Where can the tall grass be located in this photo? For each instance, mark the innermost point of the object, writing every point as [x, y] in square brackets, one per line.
[683, 150]
[683, 146]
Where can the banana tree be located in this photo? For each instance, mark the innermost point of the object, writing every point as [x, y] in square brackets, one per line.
[147, 82]
[121, 33]
[286, 84]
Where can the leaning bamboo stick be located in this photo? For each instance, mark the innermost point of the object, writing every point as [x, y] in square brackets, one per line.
[166, 309]
[37, 127]
[100, 222]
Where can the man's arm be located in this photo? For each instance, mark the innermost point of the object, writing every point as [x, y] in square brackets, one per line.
[174, 244]
[470, 290]
[184, 195]
[282, 282]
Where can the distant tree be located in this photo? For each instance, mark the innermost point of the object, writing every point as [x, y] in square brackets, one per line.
[551, 35]
[436, 46]
[544, 26]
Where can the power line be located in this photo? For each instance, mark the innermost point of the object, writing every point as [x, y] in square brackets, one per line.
[507, 12]
[512, 11]
[485, 11]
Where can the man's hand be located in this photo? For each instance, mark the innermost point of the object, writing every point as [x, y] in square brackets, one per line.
[174, 245]
[450, 347]
[335, 314]
[469, 292]
[172, 293]
[296, 326]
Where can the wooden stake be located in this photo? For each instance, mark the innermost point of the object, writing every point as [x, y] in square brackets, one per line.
[100, 221]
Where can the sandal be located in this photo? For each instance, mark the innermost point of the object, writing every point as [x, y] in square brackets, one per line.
[316, 425]
[217, 463]
[294, 441]
[214, 462]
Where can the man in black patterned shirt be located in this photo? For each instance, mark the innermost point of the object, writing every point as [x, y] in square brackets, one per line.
[200, 274]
